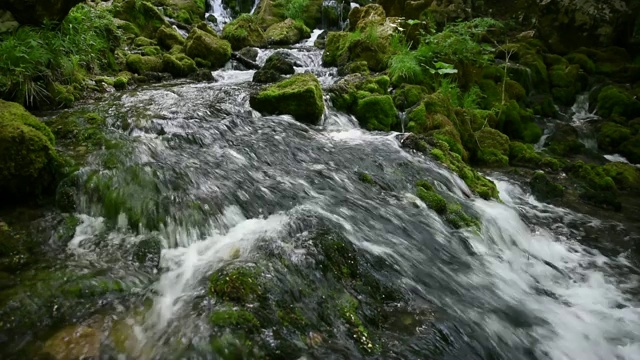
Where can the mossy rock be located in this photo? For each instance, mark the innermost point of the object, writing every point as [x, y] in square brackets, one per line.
[564, 141]
[493, 148]
[178, 65]
[626, 176]
[583, 61]
[266, 76]
[433, 200]
[208, 47]
[377, 113]
[29, 164]
[517, 123]
[612, 135]
[80, 131]
[406, 96]
[140, 64]
[542, 105]
[299, 96]
[146, 17]
[243, 32]
[370, 15]
[280, 63]
[631, 149]
[288, 32]
[142, 41]
[616, 101]
[514, 91]
[334, 49]
[168, 37]
[151, 51]
[545, 189]
[523, 155]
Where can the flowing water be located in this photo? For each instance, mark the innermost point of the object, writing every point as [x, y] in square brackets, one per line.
[217, 183]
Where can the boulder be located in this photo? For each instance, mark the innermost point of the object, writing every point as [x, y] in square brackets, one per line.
[36, 12]
[208, 47]
[139, 64]
[28, 160]
[168, 37]
[243, 32]
[179, 65]
[299, 96]
[275, 66]
[493, 147]
[249, 53]
[143, 15]
[545, 189]
[266, 76]
[74, 342]
[377, 113]
[287, 32]
[7, 22]
[362, 17]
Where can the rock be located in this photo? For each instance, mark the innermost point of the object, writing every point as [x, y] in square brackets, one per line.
[249, 53]
[244, 31]
[7, 22]
[28, 160]
[545, 189]
[208, 47]
[631, 149]
[356, 67]
[612, 135]
[493, 147]
[377, 113]
[288, 32]
[362, 17]
[616, 101]
[247, 63]
[280, 62]
[147, 251]
[564, 141]
[299, 96]
[139, 64]
[202, 76]
[36, 12]
[168, 37]
[266, 76]
[74, 342]
[408, 95]
[143, 15]
[142, 41]
[179, 65]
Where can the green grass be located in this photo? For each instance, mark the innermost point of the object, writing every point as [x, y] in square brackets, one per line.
[33, 58]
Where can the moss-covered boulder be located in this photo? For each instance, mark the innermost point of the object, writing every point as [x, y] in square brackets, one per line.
[406, 96]
[523, 155]
[616, 101]
[362, 17]
[377, 112]
[612, 135]
[243, 32]
[142, 41]
[564, 141]
[493, 148]
[208, 47]
[28, 161]
[287, 32]
[168, 37]
[545, 189]
[139, 64]
[179, 65]
[143, 15]
[631, 149]
[275, 66]
[299, 96]
[334, 51]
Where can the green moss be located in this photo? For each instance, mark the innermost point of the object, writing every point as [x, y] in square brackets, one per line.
[355, 67]
[542, 105]
[544, 188]
[287, 32]
[631, 149]
[235, 319]
[612, 135]
[208, 47]
[299, 96]
[179, 65]
[366, 178]
[348, 311]
[434, 201]
[28, 161]
[593, 176]
[143, 15]
[243, 32]
[151, 50]
[523, 155]
[339, 256]
[615, 101]
[239, 285]
[425, 184]
[493, 148]
[554, 60]
[583, 61]
[408, 95]
[168, 37]
[377, 113]
[140, 64]
[458, 219]
[514, 90]
[625, 176]
[335, 48]
[142, 41]
[120, 83]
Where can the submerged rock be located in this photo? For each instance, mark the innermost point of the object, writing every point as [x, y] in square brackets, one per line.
[208, 47]
[299, 96]
[74, 342]
[28, 160]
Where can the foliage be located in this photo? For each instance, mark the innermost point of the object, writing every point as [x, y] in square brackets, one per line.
[295, 9]
[31, 59]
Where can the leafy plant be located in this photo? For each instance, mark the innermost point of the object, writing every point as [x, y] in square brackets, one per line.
[295, 9]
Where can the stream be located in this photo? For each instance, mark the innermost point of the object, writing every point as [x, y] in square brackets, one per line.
[214, 183]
